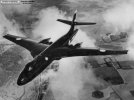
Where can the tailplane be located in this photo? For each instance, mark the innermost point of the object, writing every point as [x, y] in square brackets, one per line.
[75, 22]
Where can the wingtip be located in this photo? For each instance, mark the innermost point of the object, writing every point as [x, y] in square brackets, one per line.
[58, 19]
[6, 35]
[127, 51]
[92, 23]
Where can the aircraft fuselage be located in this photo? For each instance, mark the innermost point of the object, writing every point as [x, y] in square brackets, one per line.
[44, 52]
[43, 59]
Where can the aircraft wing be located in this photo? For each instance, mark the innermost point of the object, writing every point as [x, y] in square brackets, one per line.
[70, 52]
[34, 47]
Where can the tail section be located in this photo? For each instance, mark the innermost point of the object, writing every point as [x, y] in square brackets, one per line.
[75, 22]
[71, 38]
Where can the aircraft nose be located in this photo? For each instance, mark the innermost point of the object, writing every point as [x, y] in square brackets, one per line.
[22, 80]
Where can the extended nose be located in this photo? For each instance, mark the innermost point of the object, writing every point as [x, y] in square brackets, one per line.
[22, 80]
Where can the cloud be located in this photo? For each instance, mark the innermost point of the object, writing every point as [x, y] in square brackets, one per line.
[6, 23]
[69, 80]
[19, 8]
[120, 17]
[47, 26]
[10, 27]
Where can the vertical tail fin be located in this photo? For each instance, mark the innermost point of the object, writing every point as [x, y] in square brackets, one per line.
[74, 16]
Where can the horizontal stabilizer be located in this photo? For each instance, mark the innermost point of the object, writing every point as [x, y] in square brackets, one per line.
[75, 23]
[85, 23]
[65, 21]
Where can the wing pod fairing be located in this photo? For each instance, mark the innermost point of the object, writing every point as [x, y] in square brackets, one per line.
[46, 41]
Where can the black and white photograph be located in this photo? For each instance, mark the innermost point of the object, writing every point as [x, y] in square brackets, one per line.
[66, 49]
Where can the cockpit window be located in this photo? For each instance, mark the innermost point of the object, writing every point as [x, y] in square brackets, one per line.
[30, 68]
[22, 80]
